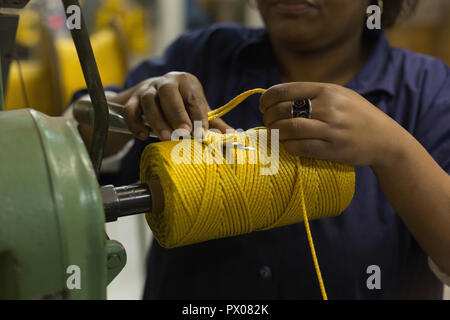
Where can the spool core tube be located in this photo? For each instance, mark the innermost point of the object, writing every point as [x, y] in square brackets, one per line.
[132, 199]
[125, 201]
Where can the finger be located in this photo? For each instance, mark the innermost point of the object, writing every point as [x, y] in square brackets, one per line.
[133, 118]
[279, 111]
[220, 125]
[195, 102]
[153, 115]
[301, 128]
[290, 92]
[172, 106]
[311, 148]
[283, 110]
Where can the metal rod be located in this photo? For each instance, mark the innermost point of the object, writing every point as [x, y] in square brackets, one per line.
[83, 113]
[94, 84]
[125, 201]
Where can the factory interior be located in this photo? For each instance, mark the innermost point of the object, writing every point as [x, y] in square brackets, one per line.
[65, 205]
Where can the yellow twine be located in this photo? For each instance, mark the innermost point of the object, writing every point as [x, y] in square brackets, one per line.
[209, 198]
[220, 112]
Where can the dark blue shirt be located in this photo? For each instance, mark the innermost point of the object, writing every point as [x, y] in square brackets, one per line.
[413, 89]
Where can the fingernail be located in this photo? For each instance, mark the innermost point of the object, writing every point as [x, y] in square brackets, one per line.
[165, 135]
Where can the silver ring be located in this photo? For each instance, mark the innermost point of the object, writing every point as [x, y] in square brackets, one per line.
[301, 108]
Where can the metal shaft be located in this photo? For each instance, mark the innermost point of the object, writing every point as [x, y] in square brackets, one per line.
[125, 201]
[84, 114]
[94, 84]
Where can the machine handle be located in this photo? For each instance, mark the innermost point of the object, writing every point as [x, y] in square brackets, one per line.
[84, 114]
[94, 84]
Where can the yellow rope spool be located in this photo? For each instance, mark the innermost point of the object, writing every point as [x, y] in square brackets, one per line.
[208, 197]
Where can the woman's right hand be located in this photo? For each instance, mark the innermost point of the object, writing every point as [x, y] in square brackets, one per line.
[173, 101]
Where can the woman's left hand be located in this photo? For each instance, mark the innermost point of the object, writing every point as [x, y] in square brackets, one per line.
[344, 126]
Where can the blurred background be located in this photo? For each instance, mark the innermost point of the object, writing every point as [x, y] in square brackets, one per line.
[45, 71]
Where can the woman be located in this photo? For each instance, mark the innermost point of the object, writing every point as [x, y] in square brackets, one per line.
[385, 111]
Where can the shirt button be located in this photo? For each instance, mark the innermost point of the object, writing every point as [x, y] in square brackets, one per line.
[265, 272]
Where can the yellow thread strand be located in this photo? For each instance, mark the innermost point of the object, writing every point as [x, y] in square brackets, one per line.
[206, 198]
[220, 112]
[313, 250]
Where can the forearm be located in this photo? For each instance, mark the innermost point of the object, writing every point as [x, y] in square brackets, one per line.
[419, 191]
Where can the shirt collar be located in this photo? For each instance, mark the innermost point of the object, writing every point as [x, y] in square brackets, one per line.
[377, 73]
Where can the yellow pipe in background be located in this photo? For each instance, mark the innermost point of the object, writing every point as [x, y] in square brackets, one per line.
[133, 19]
[35, 83]
[50, 91]
[111, 55]
[47, 83]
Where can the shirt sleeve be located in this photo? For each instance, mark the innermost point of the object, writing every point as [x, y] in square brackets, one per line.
[172, 60]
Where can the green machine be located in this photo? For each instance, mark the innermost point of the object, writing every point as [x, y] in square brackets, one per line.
[53, 243]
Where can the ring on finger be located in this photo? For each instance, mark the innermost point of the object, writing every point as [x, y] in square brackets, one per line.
[301, 108]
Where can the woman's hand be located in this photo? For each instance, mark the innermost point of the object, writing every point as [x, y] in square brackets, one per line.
[344, 127]
[173, 101]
